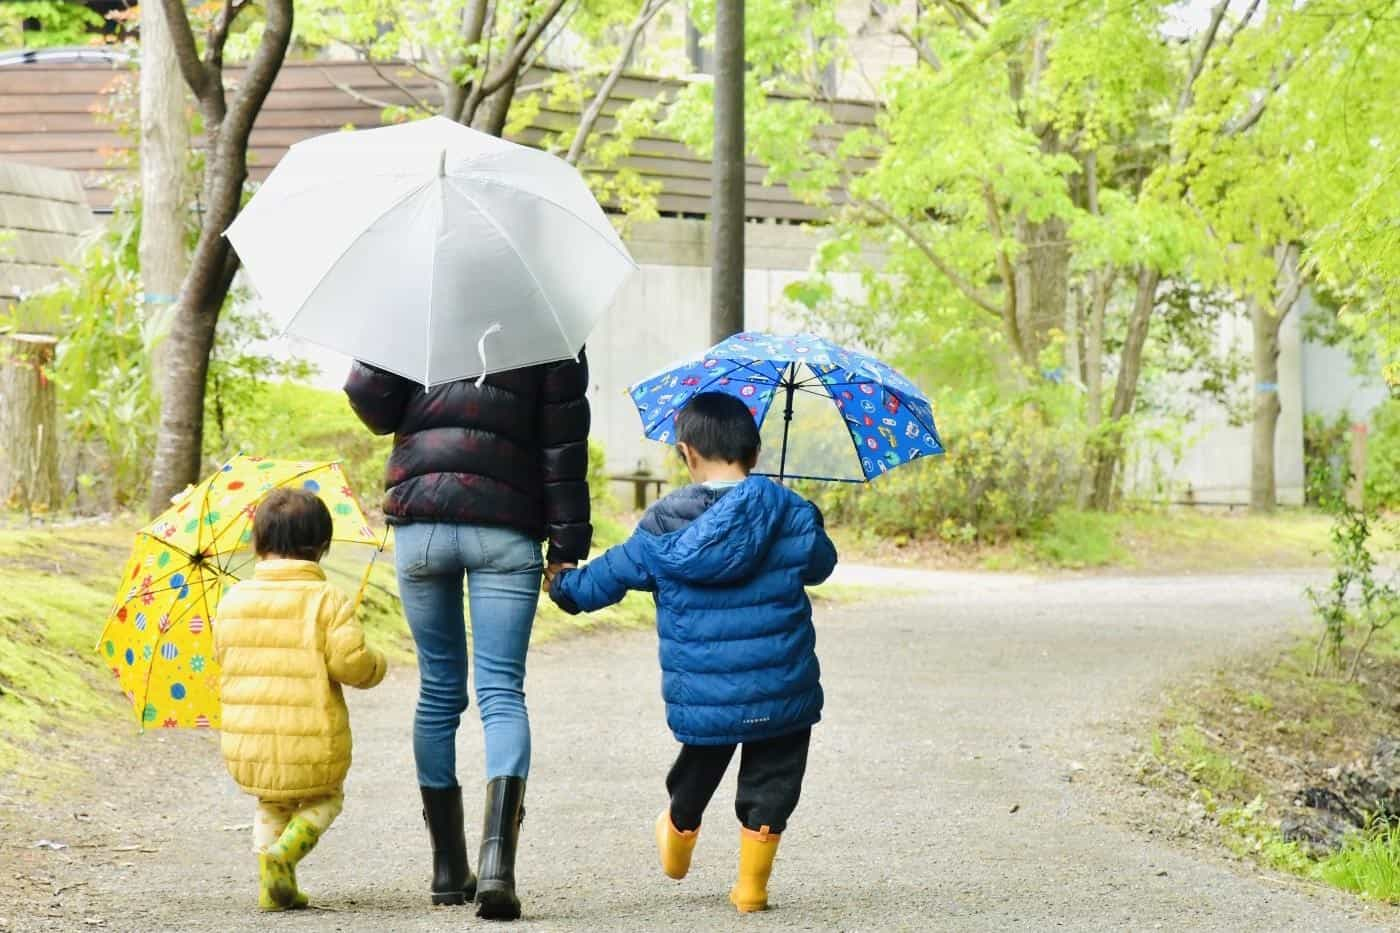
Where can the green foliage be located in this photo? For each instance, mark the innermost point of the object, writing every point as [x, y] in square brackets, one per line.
[1383, 458]
[1189, 750]
[58, 22]
[1359, 599]
[1252, 835]
[1367, 864]
[1075, 539]
[102, 368]
[1325, 451]
[1008, 471]
[298, 421]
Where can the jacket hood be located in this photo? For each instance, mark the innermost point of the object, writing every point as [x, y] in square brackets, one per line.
[718, 536]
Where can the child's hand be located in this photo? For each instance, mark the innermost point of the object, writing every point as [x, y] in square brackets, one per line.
[552, 571]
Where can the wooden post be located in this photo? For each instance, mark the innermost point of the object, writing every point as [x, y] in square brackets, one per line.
[1356, 491]
[28, 423]
[727, 203]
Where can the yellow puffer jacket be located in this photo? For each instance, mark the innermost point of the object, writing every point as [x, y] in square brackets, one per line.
[286, 640]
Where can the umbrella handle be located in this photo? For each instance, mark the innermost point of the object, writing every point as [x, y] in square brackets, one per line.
[369, 568]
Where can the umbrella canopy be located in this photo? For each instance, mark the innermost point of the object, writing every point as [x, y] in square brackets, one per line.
[842, 416]
[159, 638]
[431, 250]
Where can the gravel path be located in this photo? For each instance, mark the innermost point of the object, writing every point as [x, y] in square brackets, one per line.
[940, 794]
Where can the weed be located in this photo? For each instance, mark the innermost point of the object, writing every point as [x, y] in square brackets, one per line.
[1367, 864]
[1189, 750]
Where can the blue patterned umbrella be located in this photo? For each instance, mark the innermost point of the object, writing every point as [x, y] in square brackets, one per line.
[847, 417]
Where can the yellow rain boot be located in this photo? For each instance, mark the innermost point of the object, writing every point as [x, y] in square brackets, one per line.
[277, 886]
[278, 866]
[675, 846]
[756, 852]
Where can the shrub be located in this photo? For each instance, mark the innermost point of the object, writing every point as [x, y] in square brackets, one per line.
[1005, 472]
[1383, 458]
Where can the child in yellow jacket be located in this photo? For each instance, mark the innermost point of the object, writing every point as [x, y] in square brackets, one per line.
[286, 641]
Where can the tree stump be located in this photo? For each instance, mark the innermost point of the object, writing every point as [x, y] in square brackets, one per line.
[28, 423]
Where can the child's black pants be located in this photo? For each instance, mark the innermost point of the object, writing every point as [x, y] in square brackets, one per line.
[770, 781]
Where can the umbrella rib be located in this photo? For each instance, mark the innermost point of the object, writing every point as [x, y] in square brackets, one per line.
[612, 241]
[154, 646]
[287, 328]
[510, 241]
[713, 379]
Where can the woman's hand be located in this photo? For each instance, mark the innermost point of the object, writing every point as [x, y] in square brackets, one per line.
[553, 570]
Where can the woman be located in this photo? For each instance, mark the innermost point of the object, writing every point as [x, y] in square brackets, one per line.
[480, 473]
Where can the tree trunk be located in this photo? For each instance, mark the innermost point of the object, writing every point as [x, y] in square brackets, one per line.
[1109, 450]
[180, 437]
[1263, 493]
[180, 441]
[1267, 319]
[727, 212]
[29, 424]
[1042, 284]
[494, 111]
[165, 142]
[1100, 290]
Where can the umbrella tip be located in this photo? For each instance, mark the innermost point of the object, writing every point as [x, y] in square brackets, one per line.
[442, 164]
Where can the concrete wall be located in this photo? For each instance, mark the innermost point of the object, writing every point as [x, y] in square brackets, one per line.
[1214, 468]
[1332, 384]
[662, 315]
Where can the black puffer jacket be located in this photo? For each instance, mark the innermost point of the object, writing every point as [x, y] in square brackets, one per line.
[511, 453]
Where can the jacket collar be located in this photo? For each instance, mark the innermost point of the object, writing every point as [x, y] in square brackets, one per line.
[280, 570]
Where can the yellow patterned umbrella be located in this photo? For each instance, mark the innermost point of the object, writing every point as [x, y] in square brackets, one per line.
[159, 639]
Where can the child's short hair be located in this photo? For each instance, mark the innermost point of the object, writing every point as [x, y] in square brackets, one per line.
[719, 427]
[292, 523]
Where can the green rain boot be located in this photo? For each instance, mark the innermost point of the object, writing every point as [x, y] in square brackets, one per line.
[277, 867]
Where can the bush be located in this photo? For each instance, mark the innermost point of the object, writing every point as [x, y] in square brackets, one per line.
[1383, 458]
[1005, 473]
[285, 419]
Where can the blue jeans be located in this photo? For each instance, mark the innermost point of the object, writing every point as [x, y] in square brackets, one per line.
[502, 568]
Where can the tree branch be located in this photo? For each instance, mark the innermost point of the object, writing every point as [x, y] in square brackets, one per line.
[967, 11]
[510, 67]
[227, 167]
[1243, 23]
[186, 49]
[921, 48]
[544, 46]
[973, 294]
[398, 85]
[600, 99]
[1198, 62]
[1291, 276]
[1256, 110]
[356, 95]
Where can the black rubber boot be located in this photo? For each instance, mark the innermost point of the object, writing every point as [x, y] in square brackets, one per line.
[500, 835]
[452, 875]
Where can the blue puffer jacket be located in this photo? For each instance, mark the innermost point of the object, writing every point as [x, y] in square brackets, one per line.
[729, 569]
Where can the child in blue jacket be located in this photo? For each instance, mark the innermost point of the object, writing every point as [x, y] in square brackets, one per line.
[728, 560]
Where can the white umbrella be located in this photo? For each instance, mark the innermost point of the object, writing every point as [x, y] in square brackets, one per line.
[431, 250]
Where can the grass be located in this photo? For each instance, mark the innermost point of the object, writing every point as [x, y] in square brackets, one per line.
[1154, 541]
[1369, 865]
[56, 588]
[300, 421]
[1243, 740]
[1177, 540]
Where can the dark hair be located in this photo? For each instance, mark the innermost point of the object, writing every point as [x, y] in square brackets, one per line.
[292, 523]
[719, 427]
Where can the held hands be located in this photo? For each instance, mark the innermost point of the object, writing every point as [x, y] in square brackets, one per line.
[553, 570]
